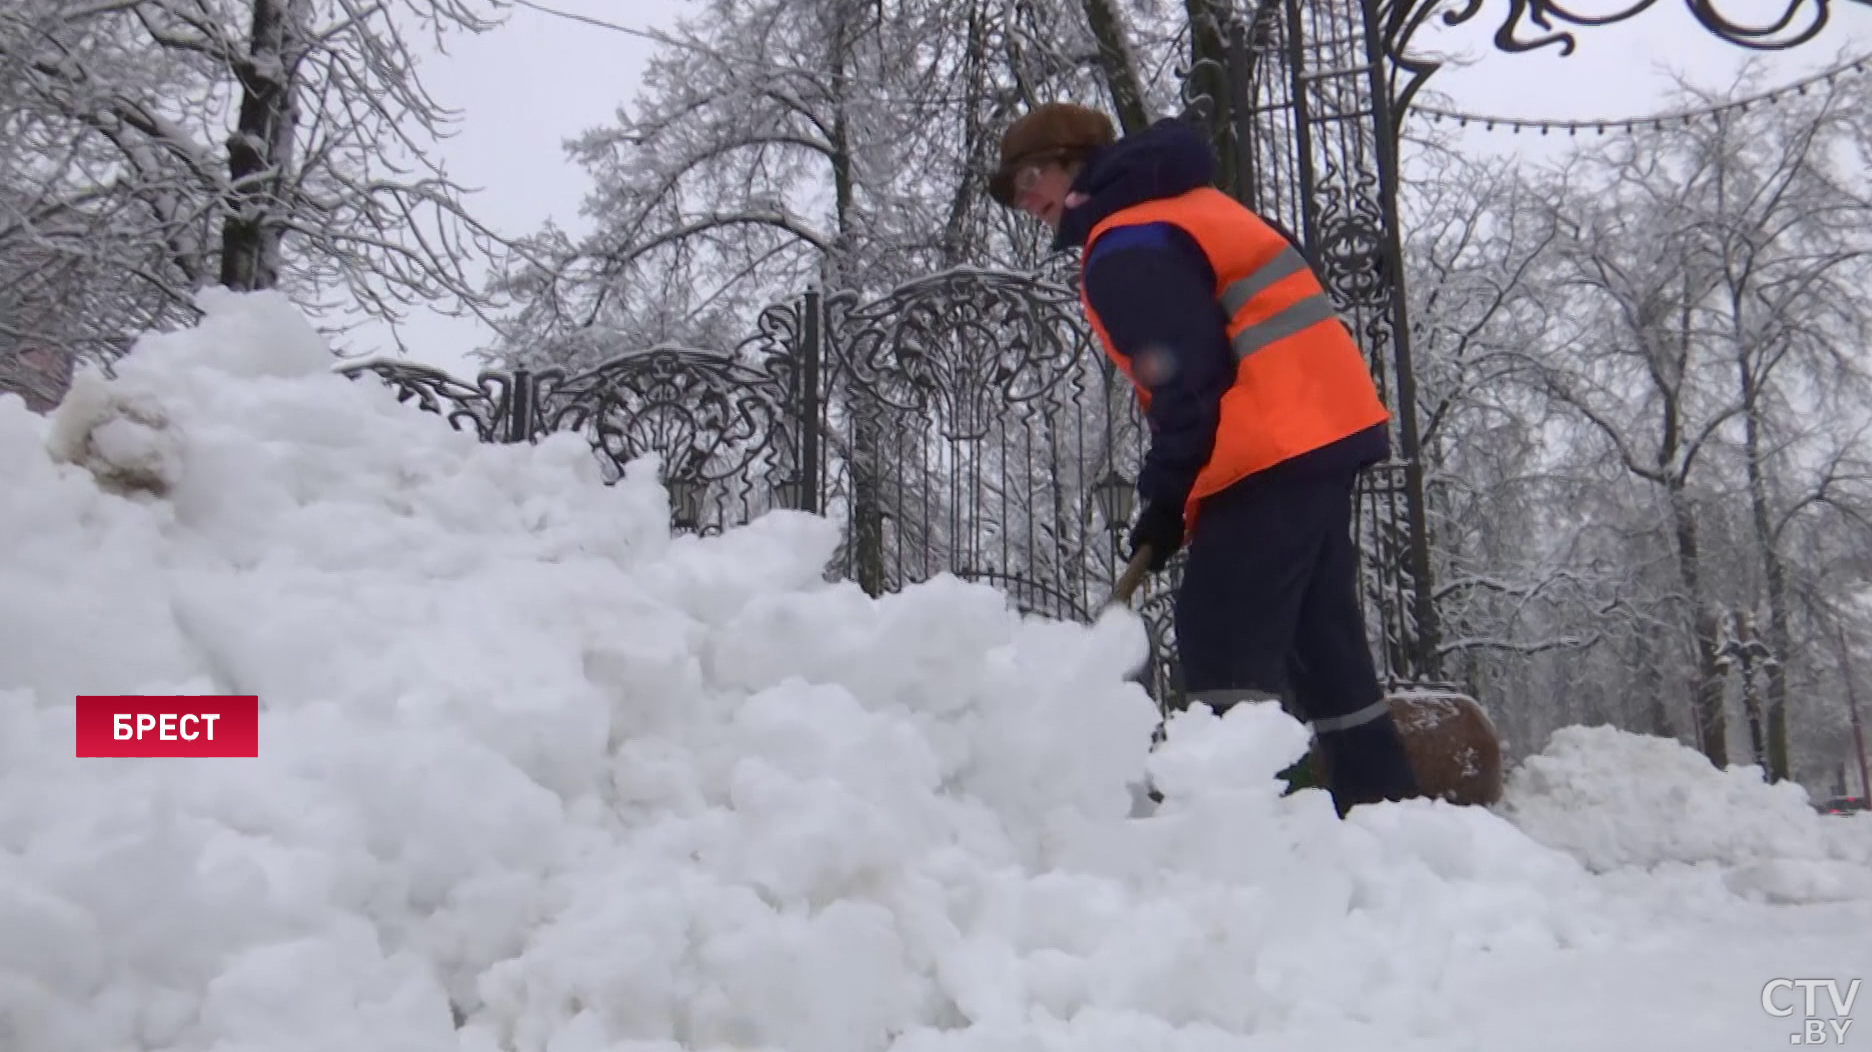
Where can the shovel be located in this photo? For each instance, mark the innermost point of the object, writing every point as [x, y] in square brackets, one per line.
[1132, 577]
[1121, 596]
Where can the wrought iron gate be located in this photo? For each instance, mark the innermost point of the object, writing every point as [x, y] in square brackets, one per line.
[1299, 106]
[962, 423]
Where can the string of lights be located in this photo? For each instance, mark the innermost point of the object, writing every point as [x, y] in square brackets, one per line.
[1517, 125]
[1862, 64]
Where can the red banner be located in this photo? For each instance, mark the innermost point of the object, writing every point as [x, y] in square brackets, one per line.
[168, 725]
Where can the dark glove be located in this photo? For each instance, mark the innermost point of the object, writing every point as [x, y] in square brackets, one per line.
[1160, 526]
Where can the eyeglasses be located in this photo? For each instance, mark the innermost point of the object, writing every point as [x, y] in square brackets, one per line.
[1034, 169]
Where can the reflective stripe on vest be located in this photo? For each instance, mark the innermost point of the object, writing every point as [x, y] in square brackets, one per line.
[1299, 384]
[1294, 318]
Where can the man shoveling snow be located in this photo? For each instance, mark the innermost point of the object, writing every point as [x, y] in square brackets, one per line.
[1262, 414]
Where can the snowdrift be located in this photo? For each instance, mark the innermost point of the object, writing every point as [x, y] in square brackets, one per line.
[535, 775]
[1617, 800]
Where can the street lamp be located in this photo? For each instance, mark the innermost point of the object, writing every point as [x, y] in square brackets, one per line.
[1115, 496]
[685, 502]
[788, 490]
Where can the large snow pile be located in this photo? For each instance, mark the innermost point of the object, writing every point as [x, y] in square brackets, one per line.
[537, 776]
[1616, 799]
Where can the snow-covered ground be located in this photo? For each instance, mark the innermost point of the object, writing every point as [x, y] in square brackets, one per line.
[536, 775]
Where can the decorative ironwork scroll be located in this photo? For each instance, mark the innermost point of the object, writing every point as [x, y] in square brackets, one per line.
[964, 345]
[723, 425]
[488, 407]
[967, 418]
[1798, 22]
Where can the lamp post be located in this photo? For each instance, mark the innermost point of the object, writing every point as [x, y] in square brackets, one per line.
[788, 490]
[683, 477]
[1115, 496]
[685, 502]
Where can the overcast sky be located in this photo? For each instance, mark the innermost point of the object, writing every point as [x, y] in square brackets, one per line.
[538, 80]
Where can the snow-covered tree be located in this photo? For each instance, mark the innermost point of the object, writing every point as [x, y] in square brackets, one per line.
[157, 146]
[1684, 374]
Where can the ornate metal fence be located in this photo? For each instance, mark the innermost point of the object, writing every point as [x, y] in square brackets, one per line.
[963, 423]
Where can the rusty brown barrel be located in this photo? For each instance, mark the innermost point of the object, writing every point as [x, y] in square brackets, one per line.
[1452, 745]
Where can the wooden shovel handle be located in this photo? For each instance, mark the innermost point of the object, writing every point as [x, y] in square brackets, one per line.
[1132, 577]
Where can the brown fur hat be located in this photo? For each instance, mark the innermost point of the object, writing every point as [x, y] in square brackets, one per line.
[1059, 130]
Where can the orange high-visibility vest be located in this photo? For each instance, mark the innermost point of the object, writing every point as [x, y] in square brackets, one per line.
[1300, 381]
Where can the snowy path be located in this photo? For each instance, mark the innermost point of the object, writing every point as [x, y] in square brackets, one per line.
[528, 760]
[1690, 987]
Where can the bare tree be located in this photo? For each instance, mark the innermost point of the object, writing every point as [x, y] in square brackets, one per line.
[101, 225]
[1791, 240]
[1703, 320]
[1476, 236]
[738, 175]
[1118, 63]
[1629, 366]
[324, 185]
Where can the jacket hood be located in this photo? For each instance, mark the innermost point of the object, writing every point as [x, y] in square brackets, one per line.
[1169, 158]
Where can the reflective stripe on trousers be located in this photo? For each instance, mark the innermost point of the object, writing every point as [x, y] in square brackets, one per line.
[1220, 701]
